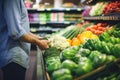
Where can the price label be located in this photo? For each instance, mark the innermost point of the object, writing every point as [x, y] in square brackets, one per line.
[41, 9]
[66, 22]
[79, 9]
[33, 30]
[42, 22]
[49, 9]
[68, 9]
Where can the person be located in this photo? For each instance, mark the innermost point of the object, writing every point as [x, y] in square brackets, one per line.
[15, 39]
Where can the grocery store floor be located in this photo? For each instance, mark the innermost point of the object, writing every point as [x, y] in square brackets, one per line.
[31, 72]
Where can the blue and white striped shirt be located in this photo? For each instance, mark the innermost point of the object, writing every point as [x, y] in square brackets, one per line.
[14, 23]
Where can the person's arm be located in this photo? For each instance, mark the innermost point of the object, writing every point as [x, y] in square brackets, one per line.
[32, 38]
[12, 14]
[36, 36]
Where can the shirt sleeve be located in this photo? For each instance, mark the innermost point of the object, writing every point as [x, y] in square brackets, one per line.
[12, 14]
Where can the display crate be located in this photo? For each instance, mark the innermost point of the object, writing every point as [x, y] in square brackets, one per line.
[101, 71]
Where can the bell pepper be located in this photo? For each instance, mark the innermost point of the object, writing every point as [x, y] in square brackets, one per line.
[84, 52]
[77, 57]
[70, 41]
[104, 36]
[87, 34]
[53, 63]
[65, 77]
[94, 36]
[97, 45]
[75, 42]
[110, 46]
[116, 50]
[69, 65]
[97, 58]
[84, 66]
[69, 53]
[87, 45]
[110, 58]
[62, 74]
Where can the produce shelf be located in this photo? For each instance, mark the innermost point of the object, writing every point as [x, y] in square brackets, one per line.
[56, 10]
[101, 71]
[110, 18]
[98, 72]
[50, 23]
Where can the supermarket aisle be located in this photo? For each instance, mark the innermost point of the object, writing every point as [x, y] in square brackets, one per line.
[31, 72]
[1, 75]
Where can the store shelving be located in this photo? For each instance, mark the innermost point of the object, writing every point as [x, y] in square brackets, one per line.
[56, 19]
[106, 68]
[51, 23]
[110, 18]
[56, 10]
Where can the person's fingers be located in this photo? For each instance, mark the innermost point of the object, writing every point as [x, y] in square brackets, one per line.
[40, 38]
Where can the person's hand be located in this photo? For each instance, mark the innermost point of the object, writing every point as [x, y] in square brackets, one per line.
[43, 44]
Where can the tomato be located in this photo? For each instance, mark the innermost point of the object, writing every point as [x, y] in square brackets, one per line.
[98, 32]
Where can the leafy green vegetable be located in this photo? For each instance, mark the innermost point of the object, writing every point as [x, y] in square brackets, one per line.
[52, 51]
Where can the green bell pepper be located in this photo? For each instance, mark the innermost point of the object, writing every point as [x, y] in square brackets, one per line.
[69, 65]
[84, 66]
[69, 53]
[53, 63]
[97, 58]
[62, 74]
[116, 50]
[84, 52]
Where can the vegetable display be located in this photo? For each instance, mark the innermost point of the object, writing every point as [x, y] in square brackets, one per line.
[59, 42]
[76, 30]
[104, 47]
[112, 7]
[83, 54]
[62, 74]
[100, 8]
[98, 28]
[97, 9]
[83, 48]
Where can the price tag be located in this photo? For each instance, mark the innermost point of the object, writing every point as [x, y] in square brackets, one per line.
[42, 22]
[49, 9]
[68, 9]
[79, 9]
[41, 9]
[66, 22]
[33, 30]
